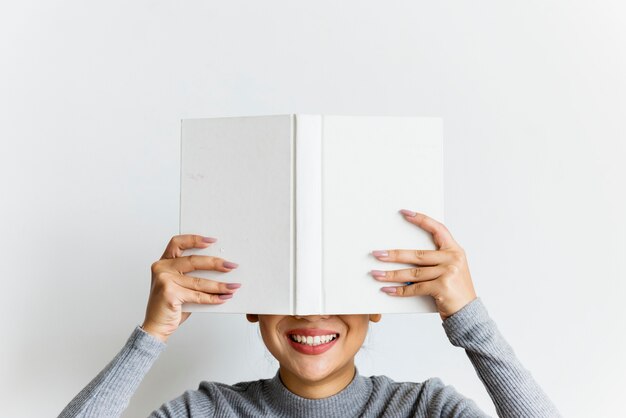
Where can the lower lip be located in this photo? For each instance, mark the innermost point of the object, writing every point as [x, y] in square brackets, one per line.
[312, 349]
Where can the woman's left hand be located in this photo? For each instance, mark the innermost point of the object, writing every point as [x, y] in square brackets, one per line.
[442, 273]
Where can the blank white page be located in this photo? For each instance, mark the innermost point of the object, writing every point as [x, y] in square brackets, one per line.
[372, 167]
[236, 185]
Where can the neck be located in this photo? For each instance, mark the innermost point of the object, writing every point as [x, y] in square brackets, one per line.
[318, 389]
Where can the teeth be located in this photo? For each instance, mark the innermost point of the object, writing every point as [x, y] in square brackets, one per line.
[310, 340]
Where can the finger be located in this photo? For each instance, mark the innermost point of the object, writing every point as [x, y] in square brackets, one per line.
[427, 288]
[416, 274]
[419, 257]
[206, 285]
[179, 243]
[441, 235]
[200, 262]
[201, 298]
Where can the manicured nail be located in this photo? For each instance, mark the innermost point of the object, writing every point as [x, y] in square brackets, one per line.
[225, 296]
[233, 285]
[230, 265]
[378, 273]
[388, 289]
[380, 253]
[407, 212]
[208, 239]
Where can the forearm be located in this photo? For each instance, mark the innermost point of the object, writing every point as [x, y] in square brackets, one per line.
[109, 393]
[512, 388]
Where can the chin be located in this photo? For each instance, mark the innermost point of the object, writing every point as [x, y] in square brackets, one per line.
[312, 370]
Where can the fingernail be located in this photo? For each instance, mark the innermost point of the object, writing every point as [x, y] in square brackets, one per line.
[233, 285]
[225, 296]
[230, 265]
[378, 273]
[407, 212]
[388, 289]
[208, 239]
[380, 253]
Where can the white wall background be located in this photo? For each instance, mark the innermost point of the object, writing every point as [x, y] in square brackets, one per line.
[533, 99]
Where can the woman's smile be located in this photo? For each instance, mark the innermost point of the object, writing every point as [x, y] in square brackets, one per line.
[311, 341]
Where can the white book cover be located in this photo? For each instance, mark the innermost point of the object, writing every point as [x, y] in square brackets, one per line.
[301, 201]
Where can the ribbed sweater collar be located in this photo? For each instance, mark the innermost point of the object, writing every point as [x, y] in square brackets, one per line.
[349, 402]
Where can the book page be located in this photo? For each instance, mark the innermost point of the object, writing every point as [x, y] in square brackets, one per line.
[373, 167]
[236, 186]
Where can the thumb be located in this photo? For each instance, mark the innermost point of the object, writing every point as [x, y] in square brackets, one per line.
[183, 317]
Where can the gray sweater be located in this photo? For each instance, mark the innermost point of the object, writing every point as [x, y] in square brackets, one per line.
[511, 387]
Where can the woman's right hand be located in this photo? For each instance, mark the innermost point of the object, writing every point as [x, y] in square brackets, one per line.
[171, 288]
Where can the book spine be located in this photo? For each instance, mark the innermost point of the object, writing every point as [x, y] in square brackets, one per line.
[308, 291]
[180, 178]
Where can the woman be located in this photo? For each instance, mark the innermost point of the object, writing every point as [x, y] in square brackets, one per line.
[317, 376]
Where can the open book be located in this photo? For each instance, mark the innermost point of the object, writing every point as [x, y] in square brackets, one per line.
[301, 201]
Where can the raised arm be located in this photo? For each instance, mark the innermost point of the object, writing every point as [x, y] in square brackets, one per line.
[512, 388]
[109, 393]
[444, 275]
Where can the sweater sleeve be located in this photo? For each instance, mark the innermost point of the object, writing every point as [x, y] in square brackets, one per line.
[109, 393]
[511, 387]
